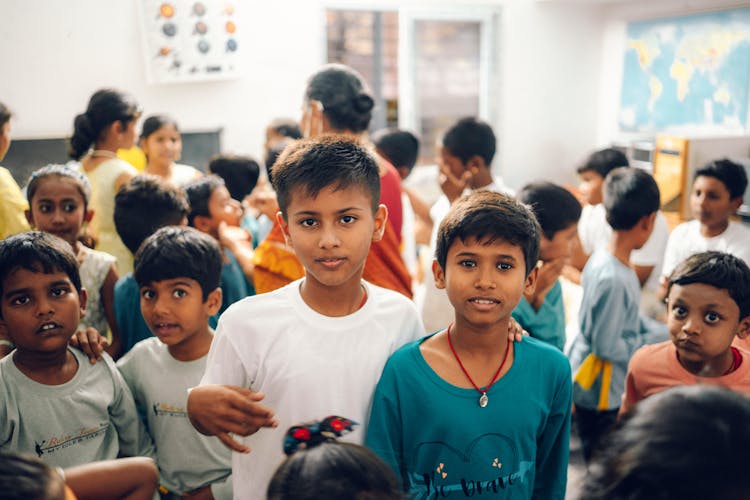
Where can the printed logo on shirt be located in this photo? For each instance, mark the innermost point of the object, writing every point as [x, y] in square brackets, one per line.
[57, 443]
[167, 410]
[487, 467]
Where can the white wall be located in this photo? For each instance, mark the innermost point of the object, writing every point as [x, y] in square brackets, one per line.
[55, 54]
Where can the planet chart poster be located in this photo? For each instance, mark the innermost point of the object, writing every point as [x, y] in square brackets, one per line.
[191, 40]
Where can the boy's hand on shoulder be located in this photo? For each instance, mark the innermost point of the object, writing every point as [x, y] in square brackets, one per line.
[515, 331]
[90, 342]
[218, 410]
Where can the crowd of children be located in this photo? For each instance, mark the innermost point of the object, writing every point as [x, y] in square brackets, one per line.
[240, 312]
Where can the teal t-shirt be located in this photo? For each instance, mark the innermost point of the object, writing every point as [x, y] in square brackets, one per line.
[548, 323]
[442, 444]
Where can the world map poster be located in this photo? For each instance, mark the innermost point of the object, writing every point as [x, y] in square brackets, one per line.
[687, 73]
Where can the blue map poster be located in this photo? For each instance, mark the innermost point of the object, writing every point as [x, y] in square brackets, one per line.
[687, 73]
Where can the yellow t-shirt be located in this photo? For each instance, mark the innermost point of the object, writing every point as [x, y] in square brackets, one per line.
[12, 206]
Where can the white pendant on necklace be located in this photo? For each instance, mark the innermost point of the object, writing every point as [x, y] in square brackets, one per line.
[483, 399]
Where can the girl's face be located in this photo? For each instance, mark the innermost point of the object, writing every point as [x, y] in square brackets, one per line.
[58, 208]
[163, 147]
[4, 139]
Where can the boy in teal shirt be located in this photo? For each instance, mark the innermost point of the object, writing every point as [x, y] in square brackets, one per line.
[542, 312]
[465, 411]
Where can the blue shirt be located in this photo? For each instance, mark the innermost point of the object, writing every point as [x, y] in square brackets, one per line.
[441, 443]
[548, 323]
[131, 326]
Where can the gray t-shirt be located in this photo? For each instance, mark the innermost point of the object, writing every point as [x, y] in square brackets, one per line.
[187, 459]
[91, 417]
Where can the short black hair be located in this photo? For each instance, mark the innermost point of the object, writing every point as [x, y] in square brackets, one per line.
[399, 147]
[720, 270]
[670, 443]
[629, 195]
[273, 154]
[338, 470]
[144, 205]
[199, 194]
[315, 164]
[26, 477]
[732, 174]
[604, 161]
[5, 114]
[346, 100]
[240, 173]
[84, 187]
[487, 216]
[179, 252]
[38, 252]
[555, 207]
[471, 137]
[286, 127]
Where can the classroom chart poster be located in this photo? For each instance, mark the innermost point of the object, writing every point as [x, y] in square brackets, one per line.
[687, 73]
[190, 40]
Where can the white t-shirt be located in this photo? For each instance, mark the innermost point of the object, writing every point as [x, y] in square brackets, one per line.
[595, 232]
[436, 309]
[308, 365]
[686, 240]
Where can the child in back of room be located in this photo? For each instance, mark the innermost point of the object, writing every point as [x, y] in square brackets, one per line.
[108, 124]
[53, 402]
[542, 312]
[59, 204]
[161, 142]
[178, 271]
[708, 307]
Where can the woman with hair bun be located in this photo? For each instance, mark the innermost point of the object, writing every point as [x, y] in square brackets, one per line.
[337, 101]
[108, 124]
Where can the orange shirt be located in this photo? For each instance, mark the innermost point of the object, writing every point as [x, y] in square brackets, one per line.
[655, 368]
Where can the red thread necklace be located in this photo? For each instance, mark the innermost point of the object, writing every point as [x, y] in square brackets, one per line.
[483, 399]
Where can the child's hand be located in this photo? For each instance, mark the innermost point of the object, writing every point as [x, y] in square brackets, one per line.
[217, 410]
[453, 186]
[232, 237]
[549, 272]
[90, 342]
[515, 331]
[263, 199]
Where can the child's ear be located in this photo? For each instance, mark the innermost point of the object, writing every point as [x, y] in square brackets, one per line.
[202, 223]
[284, 224]
[29, 217]
[743, 329]
[381, 219]
[475, 164]
[736, 203]
[213, 302]
[82, 298]
[530, 284]
[439, 274]
[88, 215]
[647, 221]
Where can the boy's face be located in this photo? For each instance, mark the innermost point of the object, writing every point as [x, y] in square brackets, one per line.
[452, 163]
[559, 246]
[331, 233]
[590, 187]
[223, 208]
[174, 309]
[703, 320]
[41, 311]
[484, 282]
[711, 202]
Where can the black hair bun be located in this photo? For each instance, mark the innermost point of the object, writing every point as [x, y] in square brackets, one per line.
[363, 103]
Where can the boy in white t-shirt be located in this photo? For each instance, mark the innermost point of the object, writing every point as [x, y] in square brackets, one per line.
[717, 193]
[594, 231]
[317, 346]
